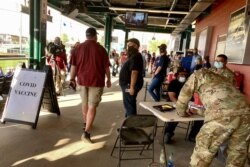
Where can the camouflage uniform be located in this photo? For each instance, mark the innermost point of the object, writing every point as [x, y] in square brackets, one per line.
[226, 115]
[226, 72]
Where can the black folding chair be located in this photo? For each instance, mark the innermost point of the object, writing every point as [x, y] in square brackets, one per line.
[137, 133]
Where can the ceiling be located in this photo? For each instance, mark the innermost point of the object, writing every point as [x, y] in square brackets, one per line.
[169, 16]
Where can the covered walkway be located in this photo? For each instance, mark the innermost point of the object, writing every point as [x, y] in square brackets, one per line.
[56, 141]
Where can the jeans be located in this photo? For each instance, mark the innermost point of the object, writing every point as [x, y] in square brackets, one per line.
[129, 101]
[195, 128]
[114, 69]
[170, 127]
[155, 88]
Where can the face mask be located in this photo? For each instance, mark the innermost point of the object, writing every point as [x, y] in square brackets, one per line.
[218, 65]
[182, 79]
[162, 50]
[132, 51]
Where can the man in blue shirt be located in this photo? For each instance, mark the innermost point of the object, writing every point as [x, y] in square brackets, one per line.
[195, 58]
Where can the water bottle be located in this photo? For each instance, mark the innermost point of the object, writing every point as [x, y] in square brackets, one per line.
[162, 158]
[170, 161]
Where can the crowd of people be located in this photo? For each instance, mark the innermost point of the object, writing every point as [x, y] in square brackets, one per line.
[225, 109]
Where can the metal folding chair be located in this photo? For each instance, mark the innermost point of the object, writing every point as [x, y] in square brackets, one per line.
[137, 133]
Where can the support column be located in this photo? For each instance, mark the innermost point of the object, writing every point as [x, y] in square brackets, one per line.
[43, 34]
[42, 60]
[189, 31]
[108, 32]
[38, 19]
[183, 36]
[126, 37]
[32, 13]
[37, 46]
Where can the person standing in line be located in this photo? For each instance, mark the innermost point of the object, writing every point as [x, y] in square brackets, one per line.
[206, 63]
[90, 64]
[131, 77]
[57, 59]
[149, 56]
[198, 64]
[176, 62]
[71, 51]
[159, 74]
[196, 57]
[115, 63]
[226, 118]
[152, 62]
[123, 57]
[144, 58]
[186, 61]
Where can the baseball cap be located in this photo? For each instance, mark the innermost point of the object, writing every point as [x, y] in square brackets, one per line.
[134, 40]
[163, 46]
[91, 32]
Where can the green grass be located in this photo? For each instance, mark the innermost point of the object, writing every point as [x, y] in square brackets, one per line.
[5, 64]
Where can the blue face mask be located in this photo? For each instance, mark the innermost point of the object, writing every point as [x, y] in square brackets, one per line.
[218, 65]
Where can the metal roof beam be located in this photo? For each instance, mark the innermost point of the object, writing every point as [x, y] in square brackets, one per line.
[148, 11]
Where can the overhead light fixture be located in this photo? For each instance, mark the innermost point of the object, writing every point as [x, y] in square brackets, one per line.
[163, 25]
[149, 11]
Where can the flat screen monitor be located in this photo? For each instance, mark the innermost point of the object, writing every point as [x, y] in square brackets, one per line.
[136, 19]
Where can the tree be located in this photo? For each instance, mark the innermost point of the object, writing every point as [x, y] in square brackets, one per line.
[153, 45]
[64, 38]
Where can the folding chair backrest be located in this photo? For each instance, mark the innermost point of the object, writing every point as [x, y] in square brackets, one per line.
[7, 84]
[140, 121]
[1, 84]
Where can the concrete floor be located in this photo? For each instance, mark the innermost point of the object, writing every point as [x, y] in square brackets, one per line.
[56, 141]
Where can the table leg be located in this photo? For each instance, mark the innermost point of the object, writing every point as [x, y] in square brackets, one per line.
[163, 141]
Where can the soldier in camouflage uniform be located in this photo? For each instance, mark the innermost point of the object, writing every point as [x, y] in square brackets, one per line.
[226, 118]
[220, 68]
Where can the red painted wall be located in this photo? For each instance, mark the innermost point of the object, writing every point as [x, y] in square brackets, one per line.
[219, 19]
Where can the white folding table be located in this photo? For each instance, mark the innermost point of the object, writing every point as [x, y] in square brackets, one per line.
[168, 116]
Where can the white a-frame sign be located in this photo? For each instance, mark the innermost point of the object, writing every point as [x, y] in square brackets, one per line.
[25, 97]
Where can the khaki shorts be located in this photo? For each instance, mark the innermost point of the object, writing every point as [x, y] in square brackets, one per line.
[91, 95]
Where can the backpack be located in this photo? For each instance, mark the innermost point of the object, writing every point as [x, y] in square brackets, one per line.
[54, 49]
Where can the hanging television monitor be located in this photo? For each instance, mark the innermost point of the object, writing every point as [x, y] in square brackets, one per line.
[136, 19]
